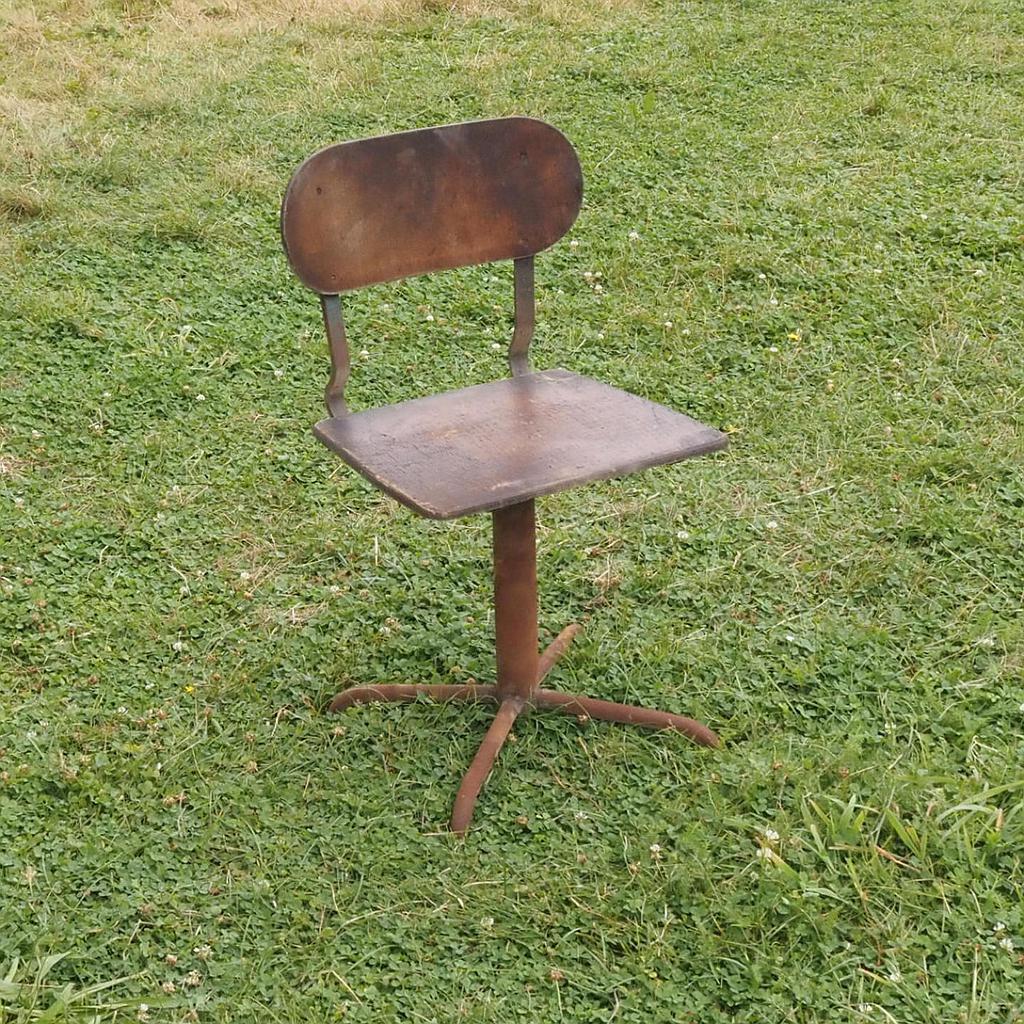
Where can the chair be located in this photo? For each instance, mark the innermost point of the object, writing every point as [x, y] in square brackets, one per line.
[384, 208]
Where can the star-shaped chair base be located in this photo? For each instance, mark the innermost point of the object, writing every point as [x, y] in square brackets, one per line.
[520, 669]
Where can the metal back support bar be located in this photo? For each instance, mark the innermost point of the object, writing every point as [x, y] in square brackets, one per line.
[522, 335]
[341, 361]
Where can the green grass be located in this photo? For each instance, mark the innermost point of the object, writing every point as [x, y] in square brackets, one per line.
[829, 205]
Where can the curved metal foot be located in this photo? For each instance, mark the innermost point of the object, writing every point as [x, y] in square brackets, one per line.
[555, 650]
[608, 711]
[474, 779]
[410, 691]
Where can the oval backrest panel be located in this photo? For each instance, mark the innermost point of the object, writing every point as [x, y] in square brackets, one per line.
[397, 205]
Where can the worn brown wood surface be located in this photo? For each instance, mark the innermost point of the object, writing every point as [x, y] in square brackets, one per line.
[397, 205]
[493, 445]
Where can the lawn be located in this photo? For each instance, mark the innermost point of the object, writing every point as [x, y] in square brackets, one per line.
[807, 223]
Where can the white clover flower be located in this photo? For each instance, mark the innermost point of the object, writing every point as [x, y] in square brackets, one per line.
[486, 922]
[598, 289]
[200, 398]
[668, 325]
[774, 348]
[364, 353]
[634, 236]
[178, 645]
[580, 816]
[588, 275]
[429, 318]
[771, 835]
[1006, 943]
[279, 373]
[496, 345]
[763, 853]
[682, 535]
[790, 638]
[773, 301]
[762, 277]
[771, 525]
[600, 335]
[573, 244]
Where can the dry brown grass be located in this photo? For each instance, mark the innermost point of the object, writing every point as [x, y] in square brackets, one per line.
[12, 466]
[58, 58]
[235, 17]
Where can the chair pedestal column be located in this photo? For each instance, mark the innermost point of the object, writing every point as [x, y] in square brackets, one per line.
[515, 600]
[520, 668]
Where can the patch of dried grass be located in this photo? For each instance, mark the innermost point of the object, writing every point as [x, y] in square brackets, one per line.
[12, 466]
[235, 16]
[297, 616]
[243, 17]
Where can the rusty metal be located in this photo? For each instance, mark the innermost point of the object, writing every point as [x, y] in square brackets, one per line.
[515, 600]
[525, 313]
[337, 343]
[608, 711]
[497, 444]
[390, 692]
[555, 650]
[380, 209]
[389, 207]
[480, 768]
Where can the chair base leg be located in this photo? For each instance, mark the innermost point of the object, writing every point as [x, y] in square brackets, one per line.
[510, 707]
[474, 779]
[391, 692]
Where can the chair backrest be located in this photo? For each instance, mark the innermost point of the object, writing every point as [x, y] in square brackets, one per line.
[394, 206]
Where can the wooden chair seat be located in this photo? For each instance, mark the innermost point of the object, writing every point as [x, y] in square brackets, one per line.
[493, 445]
